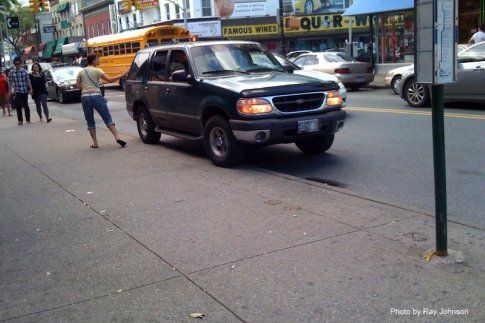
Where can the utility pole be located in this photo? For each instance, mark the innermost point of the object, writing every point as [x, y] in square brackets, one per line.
[281, 23]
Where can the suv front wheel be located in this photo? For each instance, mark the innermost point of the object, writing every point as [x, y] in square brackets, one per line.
[146, 127]
[315, 145]
[220, 144]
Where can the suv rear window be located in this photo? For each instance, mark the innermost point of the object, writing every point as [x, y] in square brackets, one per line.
[139, 67]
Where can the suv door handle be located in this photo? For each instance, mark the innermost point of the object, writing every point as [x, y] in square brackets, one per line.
[167, 90]
[146, 88]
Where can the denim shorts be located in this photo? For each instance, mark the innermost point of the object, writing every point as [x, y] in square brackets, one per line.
[95, 102]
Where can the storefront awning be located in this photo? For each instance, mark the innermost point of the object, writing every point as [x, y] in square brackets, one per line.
[371, 7]
[61, 41]
[48, 49]
[62, 7]
[70, 49]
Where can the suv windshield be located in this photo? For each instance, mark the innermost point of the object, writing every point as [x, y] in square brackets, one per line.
[232, 58]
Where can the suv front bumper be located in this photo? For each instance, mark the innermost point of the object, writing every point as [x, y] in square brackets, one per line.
[285, 130]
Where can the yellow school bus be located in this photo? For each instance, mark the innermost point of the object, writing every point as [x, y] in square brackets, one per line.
[116, 52]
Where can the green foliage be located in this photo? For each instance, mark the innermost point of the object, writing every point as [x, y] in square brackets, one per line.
[27, 22]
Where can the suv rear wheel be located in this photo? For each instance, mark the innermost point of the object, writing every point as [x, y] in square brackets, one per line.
[220, 144]
[315, 145]
[146, 127]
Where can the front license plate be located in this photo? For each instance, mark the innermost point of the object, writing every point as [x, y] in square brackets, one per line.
[311, 125]
[360, 79]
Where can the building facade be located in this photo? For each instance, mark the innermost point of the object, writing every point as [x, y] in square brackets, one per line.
[67, 18]
[98, 17]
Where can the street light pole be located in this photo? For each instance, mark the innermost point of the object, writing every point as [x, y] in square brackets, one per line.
[184, 11]
[282, 27]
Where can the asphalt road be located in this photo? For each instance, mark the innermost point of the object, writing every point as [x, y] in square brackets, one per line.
[384, 151]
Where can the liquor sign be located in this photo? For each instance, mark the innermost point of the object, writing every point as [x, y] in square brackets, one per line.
[250, 30]
[208, 28]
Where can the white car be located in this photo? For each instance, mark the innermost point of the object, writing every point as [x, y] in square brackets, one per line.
[315, 74]
[393, 77]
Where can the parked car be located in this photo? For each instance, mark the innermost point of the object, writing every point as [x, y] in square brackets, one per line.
[469, 86]
[291, 56]
[61, 83]
[351, 73]
[230, 95]
[293, 68]
[393, 77]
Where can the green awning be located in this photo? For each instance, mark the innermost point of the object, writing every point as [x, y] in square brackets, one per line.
[48, 49]
[62, 7]
[61, 41]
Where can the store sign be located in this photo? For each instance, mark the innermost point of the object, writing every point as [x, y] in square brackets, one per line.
[317, 23]
[211, 28]
[244, 8]
[123, 7]
[13, 22]
[49, 29]
[249, 30]
[145, 4]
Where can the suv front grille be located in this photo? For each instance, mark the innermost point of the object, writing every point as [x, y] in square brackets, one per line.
[299, 102]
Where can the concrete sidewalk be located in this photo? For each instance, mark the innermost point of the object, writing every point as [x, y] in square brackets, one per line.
[157, 233]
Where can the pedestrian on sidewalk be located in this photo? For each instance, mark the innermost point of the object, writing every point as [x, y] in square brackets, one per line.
[20, 87]
[39, 91]
[479, 36]
[4, 95]
[88, 81]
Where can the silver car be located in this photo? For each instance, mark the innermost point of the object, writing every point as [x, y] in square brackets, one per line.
[469, 87]
[351, 73]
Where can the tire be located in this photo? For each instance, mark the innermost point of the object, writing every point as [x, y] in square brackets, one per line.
[354, 88]
[315, 145]
[309, 7]
[395, 84]
[220, 144]
[60, 97]
[146, 127]
[416, 95]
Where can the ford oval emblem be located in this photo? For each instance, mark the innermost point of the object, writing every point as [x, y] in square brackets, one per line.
[300, 101]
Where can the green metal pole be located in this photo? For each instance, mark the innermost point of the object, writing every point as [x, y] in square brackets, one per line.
[438, 119]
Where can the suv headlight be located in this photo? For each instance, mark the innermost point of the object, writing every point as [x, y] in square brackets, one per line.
[253, 106]
[334, 99]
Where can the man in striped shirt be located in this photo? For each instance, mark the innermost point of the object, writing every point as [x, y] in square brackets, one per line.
[20, 87]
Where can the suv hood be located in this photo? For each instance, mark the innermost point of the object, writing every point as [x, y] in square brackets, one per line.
[271, 84]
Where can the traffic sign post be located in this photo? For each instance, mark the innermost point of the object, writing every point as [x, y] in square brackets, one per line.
[435, 64]
[13, 22]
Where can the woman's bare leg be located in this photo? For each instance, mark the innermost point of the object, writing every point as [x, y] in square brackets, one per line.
[92, 132]
[112, 128]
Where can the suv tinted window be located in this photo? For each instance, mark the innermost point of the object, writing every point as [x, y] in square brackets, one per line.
[178, 61]
[159, 66]
[139, 67]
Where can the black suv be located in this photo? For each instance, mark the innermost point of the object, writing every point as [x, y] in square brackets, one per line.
[231, 94]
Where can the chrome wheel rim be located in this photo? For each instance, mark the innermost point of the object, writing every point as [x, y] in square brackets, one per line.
[218, 142]
[61, 98]
[308, 7]
[143, 124]
[415, 93]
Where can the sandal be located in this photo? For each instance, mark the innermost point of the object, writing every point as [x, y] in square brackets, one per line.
[49, 120]
[121, 142]
[93, 146]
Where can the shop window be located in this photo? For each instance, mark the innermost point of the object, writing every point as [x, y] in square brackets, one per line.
[167, 11]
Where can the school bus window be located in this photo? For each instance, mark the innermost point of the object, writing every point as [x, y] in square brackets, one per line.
[122, 49]
[116, 49]
[128, 48]
[135, 47]
[111, 50]
[105, 51]
[152, 42]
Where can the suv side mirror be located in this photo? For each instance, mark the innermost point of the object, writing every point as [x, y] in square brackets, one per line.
[48, 79]
[181, 76]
